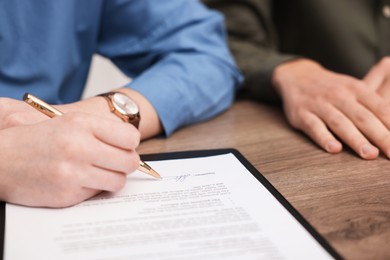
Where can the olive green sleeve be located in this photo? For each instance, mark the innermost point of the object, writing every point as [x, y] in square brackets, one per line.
[253, 41]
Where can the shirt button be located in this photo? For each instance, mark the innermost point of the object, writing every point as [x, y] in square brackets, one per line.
[386, 11]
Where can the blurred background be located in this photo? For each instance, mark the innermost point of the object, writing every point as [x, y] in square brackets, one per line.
[103, 76]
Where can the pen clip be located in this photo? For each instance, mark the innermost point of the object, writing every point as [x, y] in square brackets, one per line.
[42, 106]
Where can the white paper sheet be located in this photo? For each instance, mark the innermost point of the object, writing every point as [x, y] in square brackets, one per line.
[204, 208]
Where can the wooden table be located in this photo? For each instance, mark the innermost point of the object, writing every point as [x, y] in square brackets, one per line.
[345, 198]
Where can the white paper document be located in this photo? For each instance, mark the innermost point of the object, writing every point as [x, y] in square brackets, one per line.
[203, 208]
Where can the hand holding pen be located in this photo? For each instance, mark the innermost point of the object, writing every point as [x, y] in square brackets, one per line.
[51, 112]
[65, 160]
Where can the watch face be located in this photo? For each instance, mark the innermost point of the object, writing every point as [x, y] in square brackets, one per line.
[124, 104]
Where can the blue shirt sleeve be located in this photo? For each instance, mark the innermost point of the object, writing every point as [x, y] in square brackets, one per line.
[176, 53]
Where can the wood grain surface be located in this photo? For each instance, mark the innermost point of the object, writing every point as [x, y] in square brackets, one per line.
[346, 199]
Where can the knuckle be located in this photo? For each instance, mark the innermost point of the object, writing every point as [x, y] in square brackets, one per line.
[338, 96]
[335, 121]
[351, 86]
[66, 199]
[293, 119]
[120, 183]
[70, 148]
[63, 178]
[63, 200]
[383, 110]
[132, 136]
[308, 123]
[385, 62]
[133, 163]
[136, 138]
[386, 139]
[5, 103]
[342, 95]
[60, 172]
[66, 146]
[362, 118]
[296, 117]
[294, 122]
[75, 119]
[13, 119]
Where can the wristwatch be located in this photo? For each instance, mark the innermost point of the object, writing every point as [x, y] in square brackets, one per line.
[123, 107]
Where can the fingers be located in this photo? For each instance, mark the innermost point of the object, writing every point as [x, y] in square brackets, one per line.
[315, 128]
[111, 153]
[76, 156]
[355, 125]
[115, 146]
[105, 148]
[101, 179]
[311, 96]
[326, 117]
[378, 105]
[114, 159]
[324, 103]
[119, 134]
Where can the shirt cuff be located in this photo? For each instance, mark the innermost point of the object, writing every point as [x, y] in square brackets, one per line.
[165, 98]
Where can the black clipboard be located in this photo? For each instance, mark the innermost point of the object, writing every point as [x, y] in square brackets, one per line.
[205, 153]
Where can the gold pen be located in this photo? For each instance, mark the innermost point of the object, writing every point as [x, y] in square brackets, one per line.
[51, 111]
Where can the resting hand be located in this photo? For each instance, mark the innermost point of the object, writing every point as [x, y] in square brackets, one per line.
[65, 160]
[322, 104]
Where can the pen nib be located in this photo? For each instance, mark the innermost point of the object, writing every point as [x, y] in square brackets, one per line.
[144, 167]
[155, 174]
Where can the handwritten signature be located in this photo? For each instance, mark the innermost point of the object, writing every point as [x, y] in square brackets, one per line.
[178, 178]
[184, 177]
